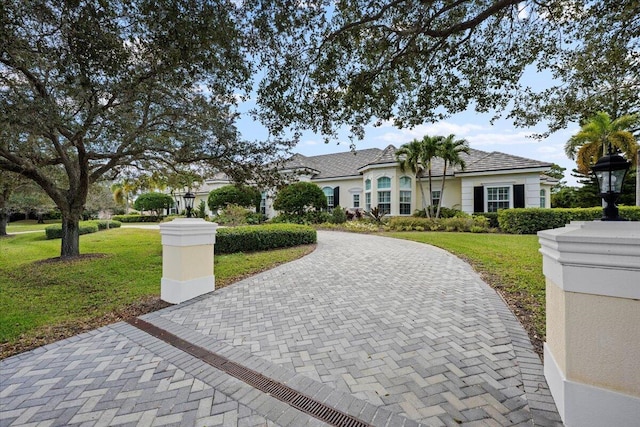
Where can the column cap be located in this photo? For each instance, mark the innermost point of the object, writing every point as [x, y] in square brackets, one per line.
[597, 257]
[188, 232]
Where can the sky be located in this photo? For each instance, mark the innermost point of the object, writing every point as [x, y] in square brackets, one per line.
[476, 128]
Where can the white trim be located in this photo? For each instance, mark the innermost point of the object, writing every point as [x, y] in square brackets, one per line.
[465, 174]
[188, 232]
[177, 291]
[599, 258]
[582, 405]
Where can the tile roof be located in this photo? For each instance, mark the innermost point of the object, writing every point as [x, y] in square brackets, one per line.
[351, 162]
[337, 164]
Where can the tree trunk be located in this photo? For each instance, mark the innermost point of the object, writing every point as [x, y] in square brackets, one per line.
[70, 235]
[444, 175]
[424, 201]
[4, 219]
[638, 179]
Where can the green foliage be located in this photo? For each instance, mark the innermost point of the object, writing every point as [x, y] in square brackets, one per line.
[530, 221]
[85, 227]
[232, 215]
[492, 217]
[338, 215]
[376, 214]
[461, 223]
[104, 224]
[241, 195]
[155, 202]
[311, 217]
[444, 212]
[262, 237]
[201, 210]
[299, 198]
[137, 218]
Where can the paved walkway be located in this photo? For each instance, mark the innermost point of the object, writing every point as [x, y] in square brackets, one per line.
[390, 332]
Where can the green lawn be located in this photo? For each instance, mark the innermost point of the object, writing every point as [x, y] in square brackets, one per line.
[39, 300]
[508, 262]
[29, 225]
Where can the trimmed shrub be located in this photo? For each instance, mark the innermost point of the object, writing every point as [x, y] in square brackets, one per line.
[532, 220]
[300, 198]
[155, 202]
[136, 218]
[492, 217]
[240, 195]
[311, 217]
[104, 224]
[338, 216]
[459, 223]
[253, 238]
[55, 231]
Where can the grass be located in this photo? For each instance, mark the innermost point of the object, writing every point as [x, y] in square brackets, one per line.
[42, 301]
[29, 225]
[510, 263]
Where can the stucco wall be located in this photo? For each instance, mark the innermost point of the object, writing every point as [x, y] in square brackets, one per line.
[531, 181]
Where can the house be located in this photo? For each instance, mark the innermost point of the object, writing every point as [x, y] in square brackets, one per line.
[372, 177]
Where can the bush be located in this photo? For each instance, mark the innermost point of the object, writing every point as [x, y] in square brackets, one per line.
[338, 216]
[311, 217]
[154, 202]
[55, 231]
[530, 221]
[232, 215]
[445, 212]
[240, 195]
[299, 199]
[459, 223]
[105, 224]
[492, 217]
[136, 218]
[263, 237]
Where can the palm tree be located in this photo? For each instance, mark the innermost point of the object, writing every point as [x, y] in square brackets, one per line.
[121, 192]
[595, 137]
[449, 151]
[430, 149]
[410, 155]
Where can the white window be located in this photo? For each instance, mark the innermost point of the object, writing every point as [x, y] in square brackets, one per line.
[384, 202]
[435, 197]
[405, 202]
[543, 198]
[328, 191]
[367, 201]
[356, 200]
[498, 198]
[263, 203]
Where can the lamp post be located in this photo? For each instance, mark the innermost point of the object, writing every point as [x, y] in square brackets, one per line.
[610, 171]
[188, 197]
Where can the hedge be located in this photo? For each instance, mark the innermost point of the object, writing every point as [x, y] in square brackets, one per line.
[136, 218]
[85, 227]
[532, 220]
[476, 224]
[253, 238]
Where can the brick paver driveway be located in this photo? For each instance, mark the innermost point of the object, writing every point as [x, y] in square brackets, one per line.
[389, 332]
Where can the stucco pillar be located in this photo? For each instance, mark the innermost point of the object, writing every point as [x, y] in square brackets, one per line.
[592, 352]
[187, 259]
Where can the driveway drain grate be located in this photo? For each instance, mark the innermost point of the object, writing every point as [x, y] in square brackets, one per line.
[255, 379]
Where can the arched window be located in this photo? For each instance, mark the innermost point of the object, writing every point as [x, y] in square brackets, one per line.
[405, 195]
[328, 191]
[384, 182]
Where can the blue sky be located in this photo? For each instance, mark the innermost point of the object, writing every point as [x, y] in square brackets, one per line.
[476, 128]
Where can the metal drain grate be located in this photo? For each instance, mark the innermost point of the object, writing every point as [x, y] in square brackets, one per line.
[255, 379]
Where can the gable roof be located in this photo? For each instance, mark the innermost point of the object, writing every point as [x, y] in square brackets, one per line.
[351, 163]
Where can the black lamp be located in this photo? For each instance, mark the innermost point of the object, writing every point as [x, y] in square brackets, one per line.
[188, 197]
[610, 171]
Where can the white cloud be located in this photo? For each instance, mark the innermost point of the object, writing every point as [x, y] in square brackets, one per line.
[310, 142]
[503, 138]
[400, 136]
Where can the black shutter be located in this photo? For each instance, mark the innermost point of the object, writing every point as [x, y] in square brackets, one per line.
[478, 199]
[336, 196]
[518, 196]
